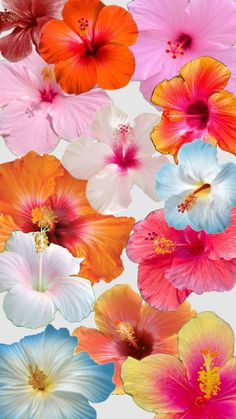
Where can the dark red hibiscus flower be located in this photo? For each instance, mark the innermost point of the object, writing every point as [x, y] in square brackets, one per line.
[26, 18]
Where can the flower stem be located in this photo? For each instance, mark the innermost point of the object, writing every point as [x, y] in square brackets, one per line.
[40, 285]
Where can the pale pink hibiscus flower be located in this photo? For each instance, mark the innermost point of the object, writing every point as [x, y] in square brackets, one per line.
[36, 112]
[25, 19]
[115, 157]
[174, 263]
[173, 32]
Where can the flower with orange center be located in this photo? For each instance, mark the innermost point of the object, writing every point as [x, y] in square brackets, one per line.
[37, 194]
[126, 327]
[90, 46]
[196, 105]
[200, 384]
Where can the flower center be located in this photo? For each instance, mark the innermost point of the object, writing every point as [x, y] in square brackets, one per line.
[197, 115]
[208, 377]
[83, 32]
[44, 217]
[178, 47]
[37, 378]
[124, 148]
[163, 246]
[8, 17]
[126, 333]
[191, 199]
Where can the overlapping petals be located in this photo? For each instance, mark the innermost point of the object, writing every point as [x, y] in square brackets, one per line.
[90, 46]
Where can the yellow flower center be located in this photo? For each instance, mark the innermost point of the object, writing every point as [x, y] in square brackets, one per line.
[83, 27]
[47, 73]
[191, 199]
[44, 217]
[163, 246]
[41, 242]
[37, 378]
[127, 333]
[209, 375]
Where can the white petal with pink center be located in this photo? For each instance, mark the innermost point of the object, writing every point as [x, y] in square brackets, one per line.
[56, 290]
[117, 156]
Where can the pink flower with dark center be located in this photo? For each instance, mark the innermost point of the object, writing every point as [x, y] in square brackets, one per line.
[173, 263]
[26, 18]
[117, 156]
[174, 32]
[36, 112]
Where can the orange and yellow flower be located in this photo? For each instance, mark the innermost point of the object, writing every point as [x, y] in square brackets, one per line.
[196, 106]
[126, 327]
[36, 192]
[90, 46]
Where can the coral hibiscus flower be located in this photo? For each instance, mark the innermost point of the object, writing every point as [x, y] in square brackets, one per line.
[36, 192]
[200, 384]
[36, 112]
[174, 263]
[90, 46]
[174, 32]
[196, 106]
[26, 18]
[129, 328]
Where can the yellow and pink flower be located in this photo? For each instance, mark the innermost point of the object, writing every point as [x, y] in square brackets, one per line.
[201, 383]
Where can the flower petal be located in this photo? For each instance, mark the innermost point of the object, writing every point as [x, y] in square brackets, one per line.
[72, 115]
[14, 270]
[222, 245]
[26, 126]
[107, 119]
[144, 176]
[171, 94]
[87, 9]
[7, 226]
[143, 125]
[120, 303]
[74, 298]
[17, 45]
[115, 66]
[84, 157]
[40, 308]
[203, 332]
[156, 289]
[223, 116]
[158, 383]
[110, 190]
[115, 25]
[172, 180]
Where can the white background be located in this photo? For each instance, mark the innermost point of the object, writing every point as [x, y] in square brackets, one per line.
[130, 100]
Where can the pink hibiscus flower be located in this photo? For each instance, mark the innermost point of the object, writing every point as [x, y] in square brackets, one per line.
[36, 112]
[173, 32]
[26, 18]
[174, 263]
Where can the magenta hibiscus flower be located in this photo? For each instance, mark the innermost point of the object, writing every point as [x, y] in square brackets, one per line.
[26, 18]
[174, 32]
[174, 263]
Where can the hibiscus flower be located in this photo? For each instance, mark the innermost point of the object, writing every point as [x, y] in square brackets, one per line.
[36, 192]
[117, 156]
[199, 191]
[174, 263]
[90, 46]
[36, 112]
[26, 18]
[43, 279]
[196, 106]
[40, 377]
[200, 384]
[171, 33]
[126, 327]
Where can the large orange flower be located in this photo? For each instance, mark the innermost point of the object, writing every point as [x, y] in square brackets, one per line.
[196, 107]
[90, 46]
[36, 192]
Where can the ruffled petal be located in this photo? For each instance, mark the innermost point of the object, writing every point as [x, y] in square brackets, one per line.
[99, 346]
[17, 45]
[171, 94]
[204, 332]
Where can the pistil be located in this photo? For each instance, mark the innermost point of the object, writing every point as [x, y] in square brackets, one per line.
[127, 334]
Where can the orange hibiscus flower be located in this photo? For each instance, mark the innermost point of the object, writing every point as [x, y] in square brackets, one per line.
[196, 106]
[37, 192]
[129, 328]
[90, 46]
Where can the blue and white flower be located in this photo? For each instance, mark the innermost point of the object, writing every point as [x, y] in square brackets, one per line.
[42, 378]
[39, 280]
[199, 191]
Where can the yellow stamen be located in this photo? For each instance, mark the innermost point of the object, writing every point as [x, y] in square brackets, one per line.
[83, 27]
[191, 199]
[127, 334]
[47, 73]
[163, 246]
[41, 242]
[44, 217]
[37, 378]
[209, 375]
[173, 116]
